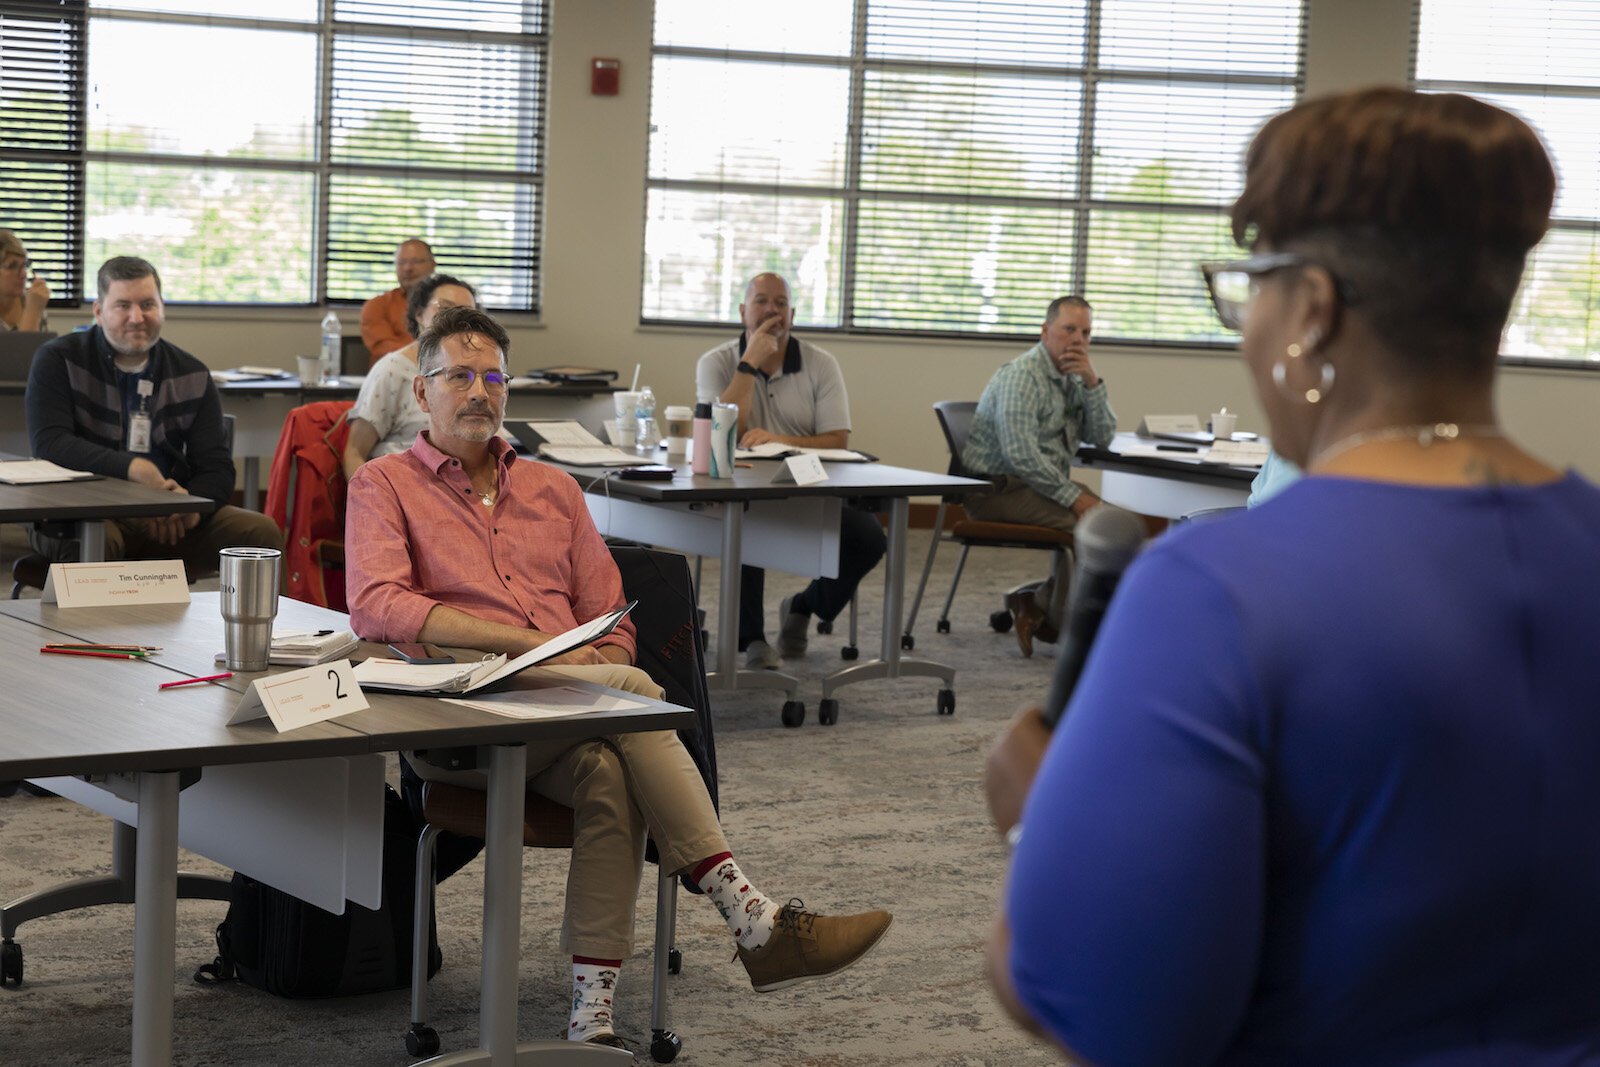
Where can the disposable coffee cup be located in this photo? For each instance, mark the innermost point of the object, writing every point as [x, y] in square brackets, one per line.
[627, 405]
[627, 435]
[249, 582]
[309, 369]
[1223, 423]
[680, 428]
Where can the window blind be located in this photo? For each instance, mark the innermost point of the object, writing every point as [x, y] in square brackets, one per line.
[42, 50]
[964, 163]
[1536, 58]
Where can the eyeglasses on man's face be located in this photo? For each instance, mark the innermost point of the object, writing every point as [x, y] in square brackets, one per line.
[460, 379]
[1233, 284]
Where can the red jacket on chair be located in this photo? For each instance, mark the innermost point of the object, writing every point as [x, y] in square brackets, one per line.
[305, 497]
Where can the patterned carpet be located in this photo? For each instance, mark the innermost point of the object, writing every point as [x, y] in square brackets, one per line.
[883, 809]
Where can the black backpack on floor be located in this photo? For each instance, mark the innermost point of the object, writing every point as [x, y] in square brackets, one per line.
[290, 948]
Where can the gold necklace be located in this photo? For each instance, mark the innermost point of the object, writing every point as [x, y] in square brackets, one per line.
[1424, 434]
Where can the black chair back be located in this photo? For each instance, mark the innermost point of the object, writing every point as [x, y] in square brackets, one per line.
[955, 419]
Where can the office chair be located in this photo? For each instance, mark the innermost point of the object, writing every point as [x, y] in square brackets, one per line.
[955, 420]
[305, 497]
[354, 359]
[670, 651]
[32, 568]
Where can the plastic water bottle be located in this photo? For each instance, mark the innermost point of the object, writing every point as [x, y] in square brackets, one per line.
[332, 343]
[644, 413]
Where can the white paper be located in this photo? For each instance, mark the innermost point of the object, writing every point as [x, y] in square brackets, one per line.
[779, 450]
[565, 432]
[557, 702]
[37, 472]
[1170, 424]
[108, 584]
[299, 698]
[1236, 453]
[583, 456]
[308, 649]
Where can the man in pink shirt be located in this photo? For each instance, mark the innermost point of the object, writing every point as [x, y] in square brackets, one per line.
[457, 542]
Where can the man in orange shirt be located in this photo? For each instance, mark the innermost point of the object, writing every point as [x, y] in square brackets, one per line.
[383, 318]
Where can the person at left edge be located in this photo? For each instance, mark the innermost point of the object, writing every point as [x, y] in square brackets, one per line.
[119, 401]
[792, 392]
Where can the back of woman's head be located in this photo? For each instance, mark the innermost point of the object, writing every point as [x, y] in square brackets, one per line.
[11, 244]
[1426, 204]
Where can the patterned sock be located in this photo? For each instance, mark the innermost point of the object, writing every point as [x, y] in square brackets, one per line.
[594, 981]
[749, 915]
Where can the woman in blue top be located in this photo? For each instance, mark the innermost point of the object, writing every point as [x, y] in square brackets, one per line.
[1327, 791]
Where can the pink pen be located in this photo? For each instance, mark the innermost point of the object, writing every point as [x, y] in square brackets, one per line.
[192, 681]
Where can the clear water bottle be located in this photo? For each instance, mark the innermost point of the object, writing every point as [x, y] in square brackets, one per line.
[644, 412]
[332, 343]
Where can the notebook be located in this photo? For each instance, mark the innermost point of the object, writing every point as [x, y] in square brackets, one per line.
[566, 441]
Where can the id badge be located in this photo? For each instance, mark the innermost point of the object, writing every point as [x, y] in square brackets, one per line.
[139, 433]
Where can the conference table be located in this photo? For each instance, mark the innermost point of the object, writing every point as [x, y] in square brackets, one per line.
[752, 520]
[107, 720]
[260, 406]
[1171, 483]
[89, 503]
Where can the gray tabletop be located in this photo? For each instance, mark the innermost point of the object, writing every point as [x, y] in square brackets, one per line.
[1181, 465]
[755, 483]
[101, 498]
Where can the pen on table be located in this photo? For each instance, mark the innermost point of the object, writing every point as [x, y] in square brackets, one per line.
[85, 652]
[143, 649]
[193, 681]
[1177, 448]
[746, 466]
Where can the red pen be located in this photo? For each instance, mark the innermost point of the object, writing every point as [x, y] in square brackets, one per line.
[97, 655]
[192, 681]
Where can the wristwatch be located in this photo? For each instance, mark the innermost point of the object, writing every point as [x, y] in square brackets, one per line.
[745, 368]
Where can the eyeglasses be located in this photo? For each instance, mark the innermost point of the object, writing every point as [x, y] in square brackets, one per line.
[16, 264]
[460, 379]
[1233, 284]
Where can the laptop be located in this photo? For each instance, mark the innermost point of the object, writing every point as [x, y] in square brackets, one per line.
[16, 352]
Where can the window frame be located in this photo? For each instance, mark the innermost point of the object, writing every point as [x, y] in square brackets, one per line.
[851, 194]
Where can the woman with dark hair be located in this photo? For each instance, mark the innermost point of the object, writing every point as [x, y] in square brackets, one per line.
[386, 417]
[1326, 791]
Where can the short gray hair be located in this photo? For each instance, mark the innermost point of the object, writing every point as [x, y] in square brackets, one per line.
[452, 322]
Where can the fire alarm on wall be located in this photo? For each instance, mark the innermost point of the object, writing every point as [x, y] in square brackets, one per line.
[605, 75]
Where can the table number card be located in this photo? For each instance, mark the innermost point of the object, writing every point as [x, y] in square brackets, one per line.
[801, 470]
[101, 585]
[299, 698]
[1156, 424]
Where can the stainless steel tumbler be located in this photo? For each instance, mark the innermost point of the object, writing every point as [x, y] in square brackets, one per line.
[249, 604]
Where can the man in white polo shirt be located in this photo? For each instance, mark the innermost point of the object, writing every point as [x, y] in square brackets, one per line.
[791, 391]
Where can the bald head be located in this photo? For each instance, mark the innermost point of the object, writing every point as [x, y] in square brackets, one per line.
[767, 297]
[413, 261]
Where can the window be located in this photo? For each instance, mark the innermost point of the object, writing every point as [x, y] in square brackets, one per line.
[1536, 58]
[294, 145]
[951, 167]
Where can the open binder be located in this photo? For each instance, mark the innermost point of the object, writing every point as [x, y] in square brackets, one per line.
[397, 676]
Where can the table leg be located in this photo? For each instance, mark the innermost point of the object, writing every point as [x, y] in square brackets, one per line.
[889, 663]
[728, 676]
[155, 918]
[92, 541]
[502, 903]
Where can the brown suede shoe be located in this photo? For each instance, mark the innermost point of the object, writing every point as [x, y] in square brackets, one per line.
[806, 945]
[1027, 617]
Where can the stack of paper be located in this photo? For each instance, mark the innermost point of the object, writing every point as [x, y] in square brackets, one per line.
[308, 648]
[38, 472]
[779, 450]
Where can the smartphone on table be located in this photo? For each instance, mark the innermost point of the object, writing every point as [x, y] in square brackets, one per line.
[418, 653]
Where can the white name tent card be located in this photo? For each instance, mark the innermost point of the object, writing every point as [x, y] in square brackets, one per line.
[103, 585]
[801, 470]
[299, 698]
[1152, 425]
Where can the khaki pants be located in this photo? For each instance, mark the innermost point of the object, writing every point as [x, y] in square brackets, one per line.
[622, 788]
[1015, 501]
[226, 527]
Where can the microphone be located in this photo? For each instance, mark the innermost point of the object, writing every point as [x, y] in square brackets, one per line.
[1108, 538]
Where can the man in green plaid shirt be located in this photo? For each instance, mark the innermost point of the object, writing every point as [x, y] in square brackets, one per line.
[1032, 416]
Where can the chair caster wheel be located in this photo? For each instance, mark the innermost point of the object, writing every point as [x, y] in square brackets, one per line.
[944, 625]
[947, 702]
[665, 1046]
[794, 713]
[824, 626]
[1000, 622]
[10, 963]
[907, 642]
[422, 1040]
[849, 652]
[674, 961]
[828, 711]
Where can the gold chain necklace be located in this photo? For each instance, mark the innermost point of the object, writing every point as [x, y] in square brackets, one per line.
[1424, 434]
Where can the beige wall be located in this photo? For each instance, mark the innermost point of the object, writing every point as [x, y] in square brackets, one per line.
[594, 229]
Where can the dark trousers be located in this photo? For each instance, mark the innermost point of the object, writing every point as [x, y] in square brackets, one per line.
[861, 545]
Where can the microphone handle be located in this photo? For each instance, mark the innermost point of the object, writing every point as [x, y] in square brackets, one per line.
[1088, 608]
